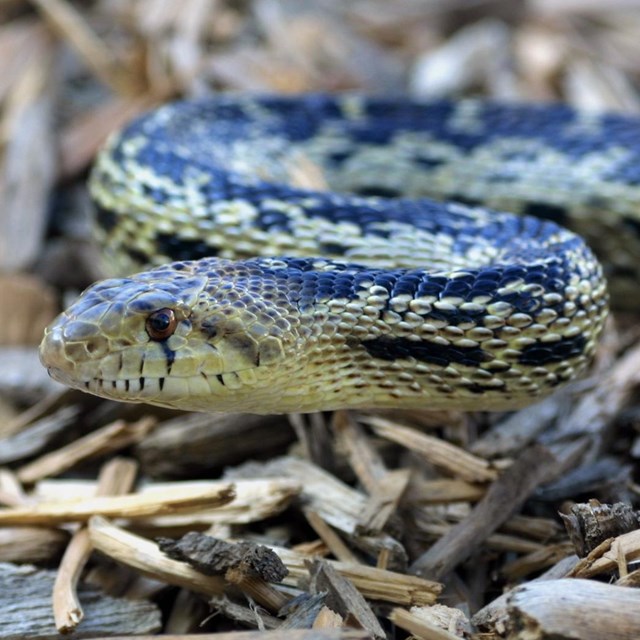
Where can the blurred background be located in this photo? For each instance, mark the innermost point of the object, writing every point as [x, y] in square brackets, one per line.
[72, 72]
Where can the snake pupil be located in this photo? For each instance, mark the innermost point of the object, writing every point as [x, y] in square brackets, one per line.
[161, 324]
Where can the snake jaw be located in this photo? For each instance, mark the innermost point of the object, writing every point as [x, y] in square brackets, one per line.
[216, 350]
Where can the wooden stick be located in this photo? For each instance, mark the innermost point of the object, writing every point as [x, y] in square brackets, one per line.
[116, 477]
[144, 556]
[506, 495]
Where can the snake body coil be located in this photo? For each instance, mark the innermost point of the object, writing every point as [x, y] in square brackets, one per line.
[385, 298]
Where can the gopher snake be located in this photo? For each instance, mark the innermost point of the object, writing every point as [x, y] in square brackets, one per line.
[384, 298]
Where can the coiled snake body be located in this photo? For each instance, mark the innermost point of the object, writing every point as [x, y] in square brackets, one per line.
[385, 297]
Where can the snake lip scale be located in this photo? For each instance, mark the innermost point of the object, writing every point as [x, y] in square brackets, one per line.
[301, 254]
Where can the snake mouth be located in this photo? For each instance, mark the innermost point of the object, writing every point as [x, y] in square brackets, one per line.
[145, 388]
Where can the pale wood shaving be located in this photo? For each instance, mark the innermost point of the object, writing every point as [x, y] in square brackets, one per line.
[130, 507]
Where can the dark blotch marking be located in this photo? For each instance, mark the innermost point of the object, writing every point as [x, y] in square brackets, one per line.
[546, 211]
[471, 202]
[378, 192]
[632, 224]
[209, 327]
[542, 353]
[169, 354]
[176, 248]
[402, 348]
[137, 256]
[105, 218]
[333, 248]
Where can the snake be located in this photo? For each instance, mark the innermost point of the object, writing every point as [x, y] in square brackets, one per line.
[318, 252]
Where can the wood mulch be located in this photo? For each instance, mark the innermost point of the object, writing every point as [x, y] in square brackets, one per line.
[123, 521]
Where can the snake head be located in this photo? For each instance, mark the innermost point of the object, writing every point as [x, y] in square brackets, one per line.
[190, 335]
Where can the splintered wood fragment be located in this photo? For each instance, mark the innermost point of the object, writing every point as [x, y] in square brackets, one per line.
[384, 500]
[419, 627]
[333, 541]
[445, 456]
[145, 556]
[335, 501]
[107, 439]
[373, 583]
[533, 467]
[70, 25]
[606, 556]
[343, 597]
[116, 477]
[25, 608]
[255, 500]
[130, 506]
[574, 610]
[589, 524]
[363, 458]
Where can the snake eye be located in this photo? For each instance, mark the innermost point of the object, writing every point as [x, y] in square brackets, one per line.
[161, 324]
